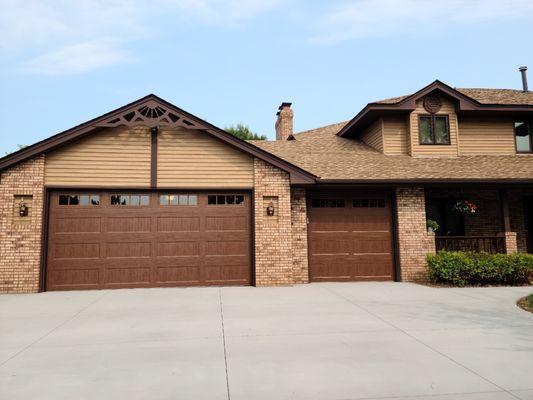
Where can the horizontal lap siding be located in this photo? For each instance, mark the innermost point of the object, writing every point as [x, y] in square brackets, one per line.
[119, 157]
[494, 136]
[395, 135]
[194, 159]
[373, 135]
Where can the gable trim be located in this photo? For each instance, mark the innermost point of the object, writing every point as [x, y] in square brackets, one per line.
[408, 104]
[186, 120]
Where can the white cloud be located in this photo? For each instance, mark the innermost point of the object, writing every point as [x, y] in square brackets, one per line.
[66, 36]
[379, 18]
[79, 58]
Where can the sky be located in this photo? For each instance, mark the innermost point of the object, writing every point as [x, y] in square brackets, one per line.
[63, 62]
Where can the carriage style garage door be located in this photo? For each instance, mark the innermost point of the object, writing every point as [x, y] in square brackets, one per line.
[122, 239]
[350, 236]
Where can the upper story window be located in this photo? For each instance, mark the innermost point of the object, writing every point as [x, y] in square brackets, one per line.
[523, 132]
[434, 129]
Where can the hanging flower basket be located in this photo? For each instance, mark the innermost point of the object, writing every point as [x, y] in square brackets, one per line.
[465, 207]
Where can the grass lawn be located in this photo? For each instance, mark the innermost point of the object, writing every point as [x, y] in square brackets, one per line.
[526, 303]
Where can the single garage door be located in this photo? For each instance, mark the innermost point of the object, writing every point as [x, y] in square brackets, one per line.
[350, 236]
[119, 239]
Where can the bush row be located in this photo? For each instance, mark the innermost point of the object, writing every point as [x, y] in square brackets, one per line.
[460, 268]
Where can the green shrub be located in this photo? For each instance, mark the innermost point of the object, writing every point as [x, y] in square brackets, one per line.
[460, 269]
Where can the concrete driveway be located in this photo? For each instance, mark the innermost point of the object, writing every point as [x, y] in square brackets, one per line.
[318, 341]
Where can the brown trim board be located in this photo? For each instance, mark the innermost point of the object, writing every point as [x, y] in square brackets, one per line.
[153, 157]
[297, 174]
[408, 104]
[44, 240]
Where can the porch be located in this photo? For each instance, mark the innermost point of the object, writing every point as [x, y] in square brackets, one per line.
[480, 220]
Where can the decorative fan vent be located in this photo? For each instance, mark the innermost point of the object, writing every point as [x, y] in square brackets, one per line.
[432, 103]
[149, 114]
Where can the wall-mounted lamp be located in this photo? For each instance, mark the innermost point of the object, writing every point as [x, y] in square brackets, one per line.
[23, 208]
[270, 209]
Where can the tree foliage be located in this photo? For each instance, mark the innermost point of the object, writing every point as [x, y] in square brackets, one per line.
[19, 147]
[244, 132]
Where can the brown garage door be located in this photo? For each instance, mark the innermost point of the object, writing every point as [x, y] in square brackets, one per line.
[120, 239]
[350, 236]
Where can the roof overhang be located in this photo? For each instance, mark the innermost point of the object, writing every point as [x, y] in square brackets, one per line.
[463, 104]
[152, 111]
[425, 181]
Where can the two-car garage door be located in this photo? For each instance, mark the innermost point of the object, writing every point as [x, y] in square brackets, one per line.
[120, 239]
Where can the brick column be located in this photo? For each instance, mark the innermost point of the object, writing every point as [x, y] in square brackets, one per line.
[518, 219]
[414, 242]
[273, 234]
[299, 236]
[511, 243]
[20, 237]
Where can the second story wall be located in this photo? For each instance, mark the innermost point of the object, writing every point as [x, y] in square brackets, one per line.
[395, 135]
[469, 135]
[373, 135]
[486, 136]
[433, 150]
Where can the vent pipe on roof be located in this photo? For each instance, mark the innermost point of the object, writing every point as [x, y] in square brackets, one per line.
[524, 77]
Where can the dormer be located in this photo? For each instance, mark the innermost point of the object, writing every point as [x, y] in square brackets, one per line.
[440, 121]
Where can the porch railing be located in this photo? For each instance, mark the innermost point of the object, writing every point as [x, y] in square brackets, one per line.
[488, 244]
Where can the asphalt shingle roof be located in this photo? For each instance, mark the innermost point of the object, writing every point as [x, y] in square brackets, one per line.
[484, 96]
[323, 153]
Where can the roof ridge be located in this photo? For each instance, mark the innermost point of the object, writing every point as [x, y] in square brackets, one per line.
[322, 127]
[482, 88]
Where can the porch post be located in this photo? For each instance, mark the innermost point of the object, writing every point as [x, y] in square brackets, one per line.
[511, 245]
[414, 241]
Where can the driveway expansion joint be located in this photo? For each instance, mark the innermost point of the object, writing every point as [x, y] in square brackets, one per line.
[224, 341]
[53, 330]
[423, 343]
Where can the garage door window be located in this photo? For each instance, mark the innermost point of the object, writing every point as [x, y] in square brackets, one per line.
[225, 199]
[369, 203]
[178, 200]
[328, 203]
[79, 200]
[130, 200]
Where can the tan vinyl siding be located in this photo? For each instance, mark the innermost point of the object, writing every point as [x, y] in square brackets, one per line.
[432, 150]
[395, 137]
[486, 136]
[117, 157]
[372, 135]
[191, 159]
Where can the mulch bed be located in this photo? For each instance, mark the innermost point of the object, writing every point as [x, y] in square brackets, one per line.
[523, 304]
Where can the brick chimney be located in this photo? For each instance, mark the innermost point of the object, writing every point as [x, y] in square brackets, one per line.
[284, 121]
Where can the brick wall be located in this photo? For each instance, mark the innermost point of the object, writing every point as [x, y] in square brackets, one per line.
[299, 236]
[273, 234]
[487, 221]
[414, 243]
[517, 217]
[20, 237]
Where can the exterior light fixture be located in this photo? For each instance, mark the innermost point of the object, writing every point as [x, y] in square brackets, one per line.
[270, 209]
[23, 208]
